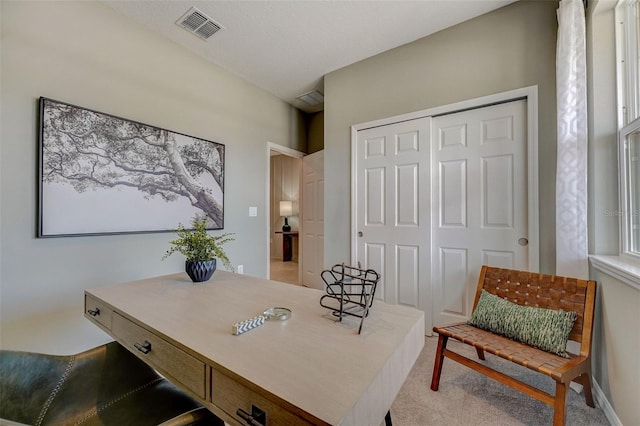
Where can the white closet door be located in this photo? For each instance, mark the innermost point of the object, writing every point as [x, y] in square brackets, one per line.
[392, 210]
[479, 201]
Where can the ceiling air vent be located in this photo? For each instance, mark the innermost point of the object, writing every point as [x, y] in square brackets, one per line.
[312, 98]
[198, 23]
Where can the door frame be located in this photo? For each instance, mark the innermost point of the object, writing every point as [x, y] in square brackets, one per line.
[530, 94]
[267, 217]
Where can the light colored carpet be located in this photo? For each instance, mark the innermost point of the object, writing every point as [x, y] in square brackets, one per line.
[467, 397]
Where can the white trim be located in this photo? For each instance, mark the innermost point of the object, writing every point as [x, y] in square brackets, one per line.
[453, 107]
[619, 16]
[532, 184]
[621, 268]
[267, 208]
[603, 402]
[354, 191]
[531, 95]
[627, 51]
[284, 150]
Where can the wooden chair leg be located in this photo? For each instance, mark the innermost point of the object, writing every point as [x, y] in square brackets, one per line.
[585, 381]
[437, 364]
[560, 404]
[480, 353]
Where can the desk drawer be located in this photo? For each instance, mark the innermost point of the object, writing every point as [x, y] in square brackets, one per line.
[229, 395]
[159, 353]
[97, 311]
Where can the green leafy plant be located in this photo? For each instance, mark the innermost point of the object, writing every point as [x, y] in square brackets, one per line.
[196, 244]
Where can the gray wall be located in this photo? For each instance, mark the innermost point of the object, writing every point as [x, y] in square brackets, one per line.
[315, 132]
[86, 54]
[510, 48]
[603, 151]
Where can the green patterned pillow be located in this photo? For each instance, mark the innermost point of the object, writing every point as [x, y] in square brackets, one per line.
[545, 329]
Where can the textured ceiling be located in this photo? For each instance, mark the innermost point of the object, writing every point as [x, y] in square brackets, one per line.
[286, 47]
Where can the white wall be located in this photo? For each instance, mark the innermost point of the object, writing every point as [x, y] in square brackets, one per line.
[86, 54]
[510, 48]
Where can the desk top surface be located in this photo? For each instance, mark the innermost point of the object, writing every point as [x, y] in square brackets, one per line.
[321, 366]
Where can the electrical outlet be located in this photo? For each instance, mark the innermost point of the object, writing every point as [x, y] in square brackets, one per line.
[240, 269]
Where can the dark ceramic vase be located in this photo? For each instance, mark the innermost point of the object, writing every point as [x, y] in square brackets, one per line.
[200, 270]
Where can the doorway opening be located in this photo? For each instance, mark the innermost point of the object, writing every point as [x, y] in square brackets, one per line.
[283, 218]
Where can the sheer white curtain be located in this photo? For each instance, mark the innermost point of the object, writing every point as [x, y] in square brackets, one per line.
[571, 172]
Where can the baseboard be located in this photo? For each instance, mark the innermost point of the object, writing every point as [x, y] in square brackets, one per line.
[603, 402]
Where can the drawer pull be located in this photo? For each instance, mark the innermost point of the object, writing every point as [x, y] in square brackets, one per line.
[145, 348]
[94, 312]
[257, 417]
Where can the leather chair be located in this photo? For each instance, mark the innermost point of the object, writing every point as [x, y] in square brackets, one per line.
[106, 385]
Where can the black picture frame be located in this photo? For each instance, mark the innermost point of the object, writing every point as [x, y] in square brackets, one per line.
[102, 174]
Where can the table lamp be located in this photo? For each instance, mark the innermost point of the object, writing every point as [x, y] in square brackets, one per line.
[286, 209]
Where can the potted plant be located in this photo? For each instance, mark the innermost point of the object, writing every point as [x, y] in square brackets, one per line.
[200, 249]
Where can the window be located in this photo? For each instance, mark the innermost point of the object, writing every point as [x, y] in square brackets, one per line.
[625, 267]
[629, 161]
[628, 56]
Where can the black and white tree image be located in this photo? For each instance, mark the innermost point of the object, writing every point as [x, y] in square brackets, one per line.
[91, 151]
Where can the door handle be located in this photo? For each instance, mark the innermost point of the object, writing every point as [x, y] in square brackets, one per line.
[360, 234]
[258, 417]
[523, 241]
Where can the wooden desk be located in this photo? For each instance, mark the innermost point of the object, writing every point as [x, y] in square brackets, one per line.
[308, 369]
[287, 244]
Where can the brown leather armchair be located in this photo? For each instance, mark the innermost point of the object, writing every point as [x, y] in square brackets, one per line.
[106, 385]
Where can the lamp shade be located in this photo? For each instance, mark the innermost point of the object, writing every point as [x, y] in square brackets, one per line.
[286, 208]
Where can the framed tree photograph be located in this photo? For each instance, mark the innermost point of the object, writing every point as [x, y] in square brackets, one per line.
[102, 174]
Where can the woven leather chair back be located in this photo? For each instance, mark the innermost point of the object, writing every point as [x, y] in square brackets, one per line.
[542, 291]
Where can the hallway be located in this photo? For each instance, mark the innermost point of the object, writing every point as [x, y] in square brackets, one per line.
[284, 271]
